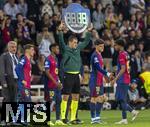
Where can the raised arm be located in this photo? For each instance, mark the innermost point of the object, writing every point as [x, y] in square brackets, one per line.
[60, 29]
[61, 40]
[86, 41]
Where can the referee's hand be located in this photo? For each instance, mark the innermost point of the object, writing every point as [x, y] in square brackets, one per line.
[90, 28]
[62, 27]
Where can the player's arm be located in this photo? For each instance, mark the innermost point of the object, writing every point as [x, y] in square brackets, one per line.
[47, 67]
[122, 61]
[50, 76]
[99, 68]
[120, 72]
[19, 70]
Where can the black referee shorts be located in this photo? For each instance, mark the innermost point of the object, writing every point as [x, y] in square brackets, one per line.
[71, 84]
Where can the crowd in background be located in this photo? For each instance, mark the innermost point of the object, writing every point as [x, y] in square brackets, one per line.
[36, 22]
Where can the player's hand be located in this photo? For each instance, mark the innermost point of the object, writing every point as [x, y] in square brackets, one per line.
[111, 77]
[24, 83]
[59, 86]
[107, 80]
[107, 77]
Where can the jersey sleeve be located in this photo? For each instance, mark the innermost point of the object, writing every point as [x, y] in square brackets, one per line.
[19, 69]
[47, 64]
[98, 67]
[86, 41]
[122, 59]
[61, 41]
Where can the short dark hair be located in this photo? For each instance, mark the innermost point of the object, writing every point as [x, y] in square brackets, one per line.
[136, 50]
[98, 42]
[120, 42]
[18, 14]
[52, 45]
[72, 37]
[28, 46]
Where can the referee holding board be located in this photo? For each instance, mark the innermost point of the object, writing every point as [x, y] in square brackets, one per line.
[71, 67]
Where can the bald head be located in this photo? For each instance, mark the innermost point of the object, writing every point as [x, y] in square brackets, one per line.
[12, 47]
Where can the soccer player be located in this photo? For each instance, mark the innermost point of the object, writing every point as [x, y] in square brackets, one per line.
[96, 82]
[123, 80]
[52, 83]
[71, 67]
[23, 71]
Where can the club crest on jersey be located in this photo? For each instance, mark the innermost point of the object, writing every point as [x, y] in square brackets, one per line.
[22, 62]
[56, 71]
[96, 60]
[76, 17]
[46, 63]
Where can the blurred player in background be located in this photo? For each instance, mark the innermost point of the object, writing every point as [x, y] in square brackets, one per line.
[96, 82]
[52, 83]
[123, 80]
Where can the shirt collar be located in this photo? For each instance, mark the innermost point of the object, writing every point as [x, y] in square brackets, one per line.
[11, 54]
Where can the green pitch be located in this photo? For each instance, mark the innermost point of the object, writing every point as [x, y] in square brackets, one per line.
[143, 119]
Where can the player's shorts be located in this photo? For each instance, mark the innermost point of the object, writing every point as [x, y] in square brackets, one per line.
[122, 92]
[96, 91]
[23, 94]
[53, 95]
[71, 83]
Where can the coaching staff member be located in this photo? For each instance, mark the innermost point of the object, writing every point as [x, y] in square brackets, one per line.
[71, 67]
[8, 77]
